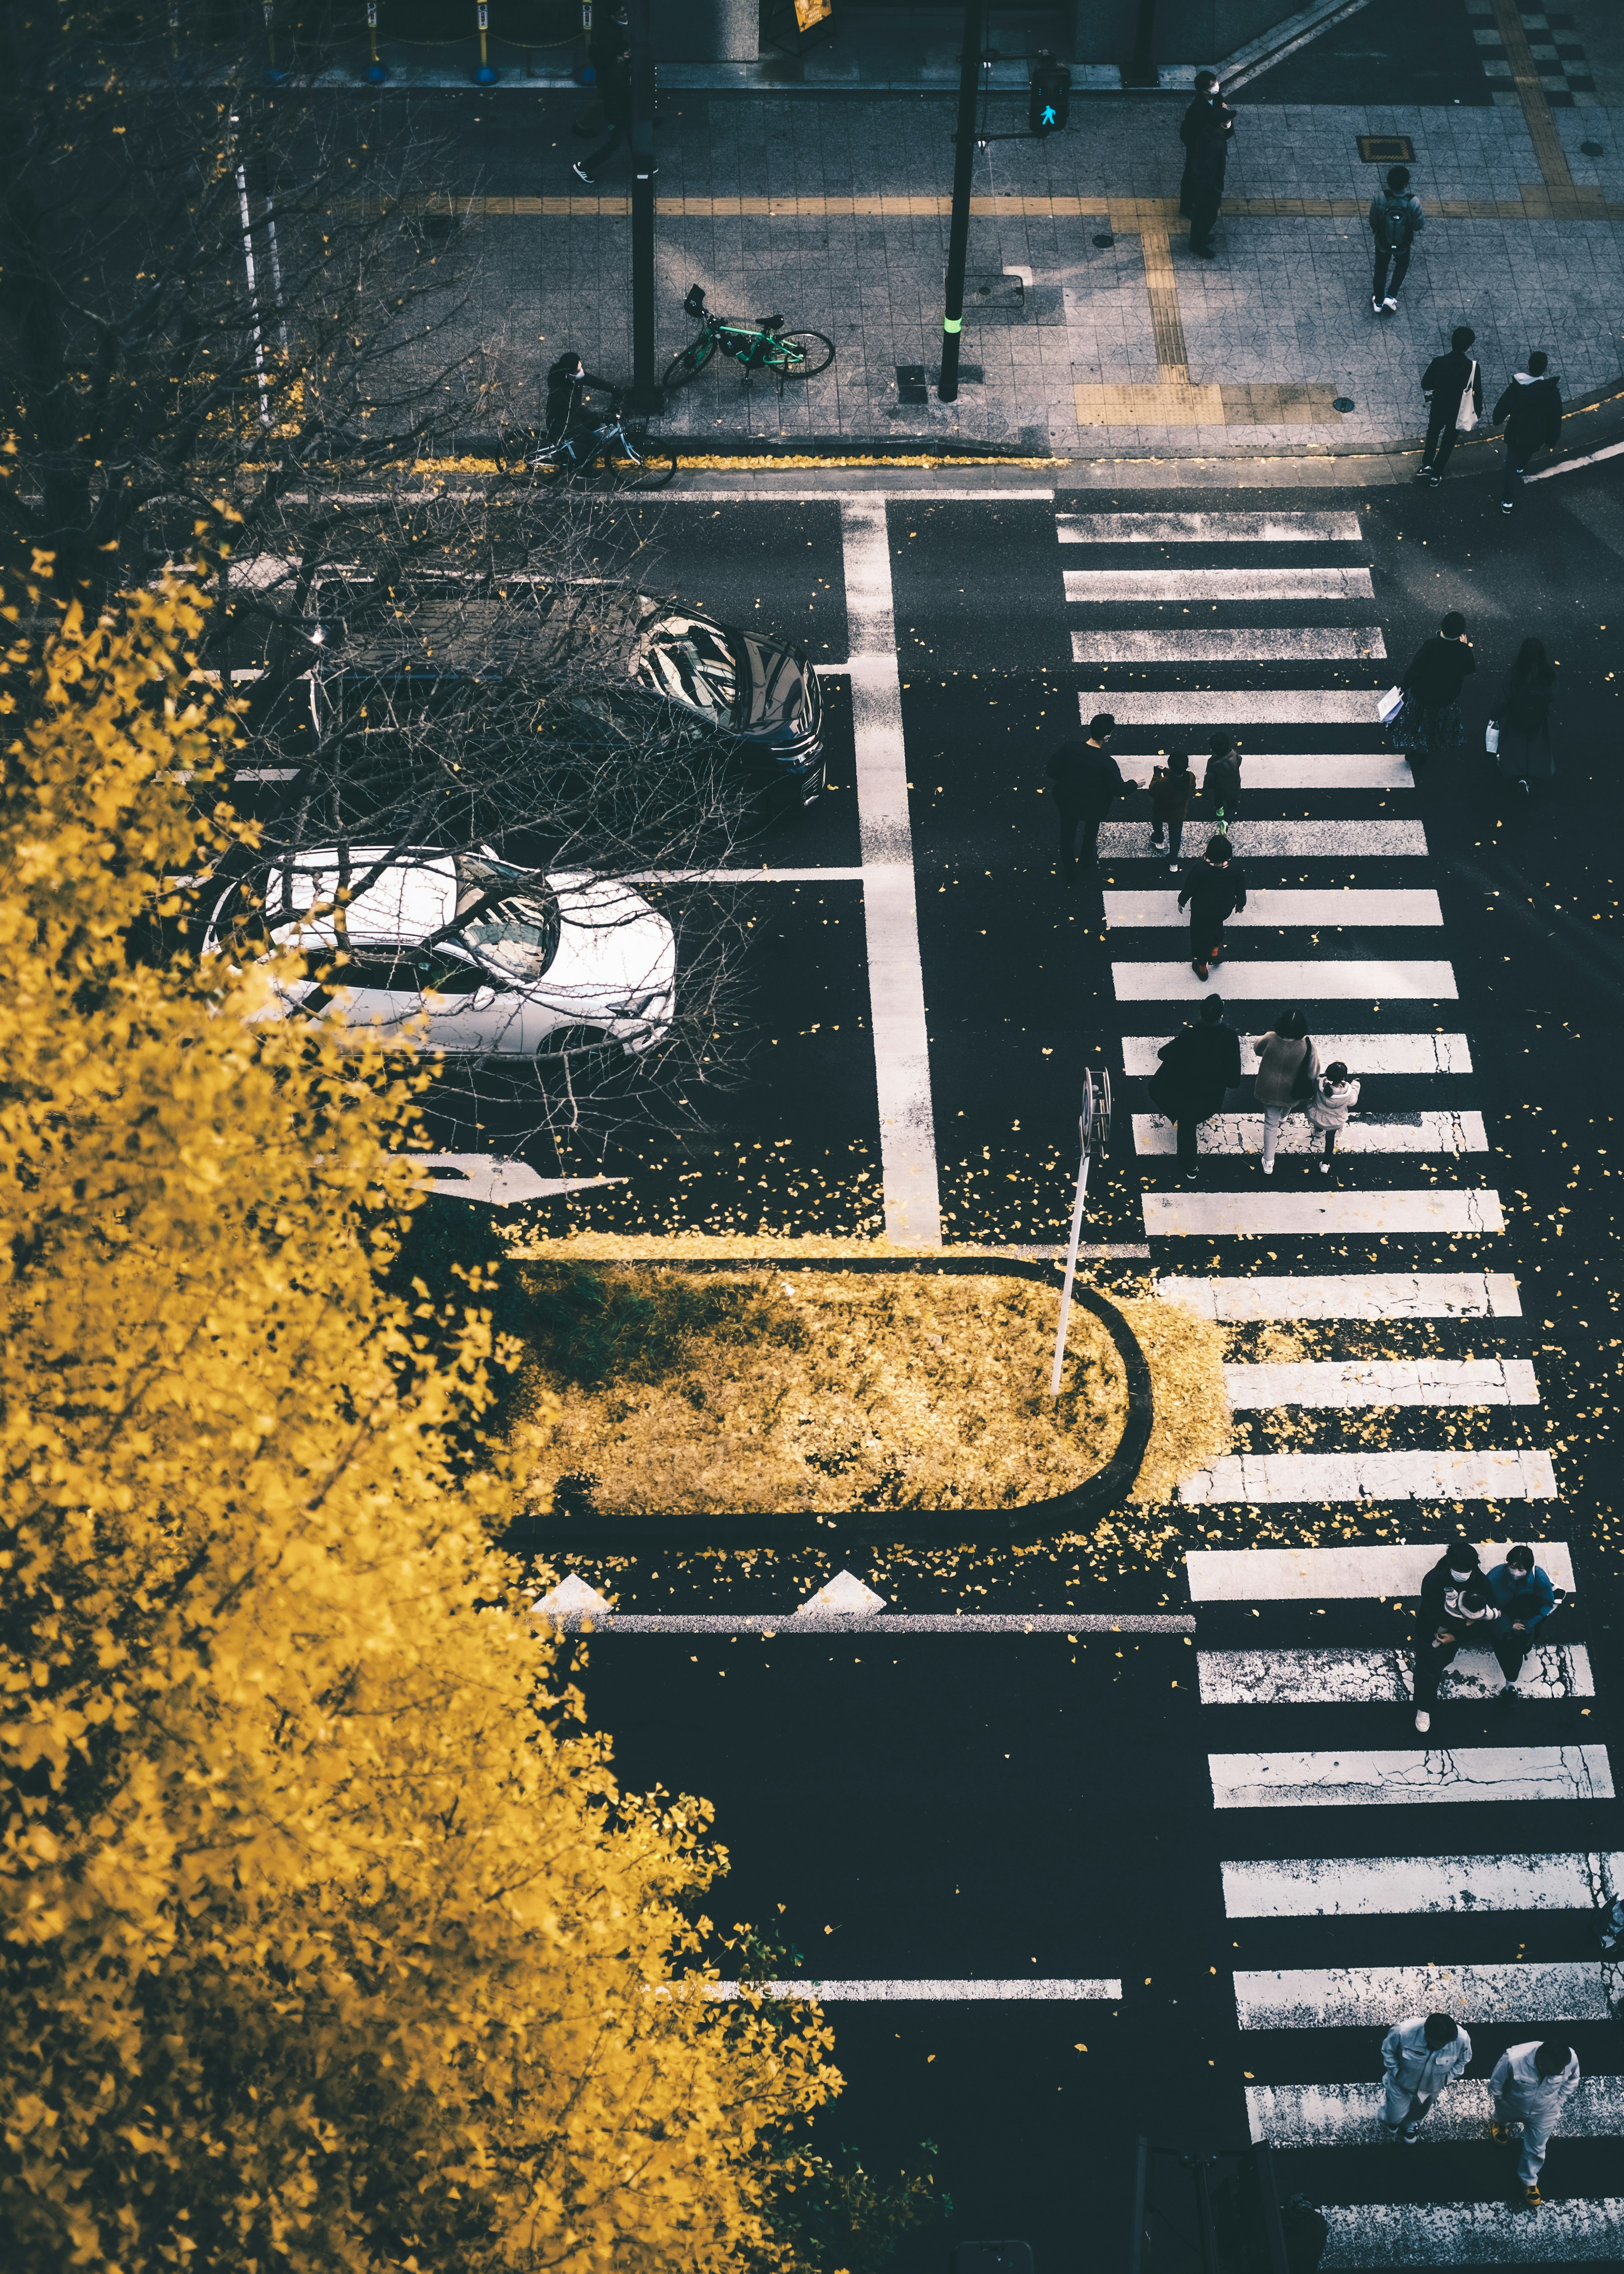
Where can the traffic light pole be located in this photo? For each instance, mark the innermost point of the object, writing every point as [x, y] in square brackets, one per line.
[964, 170]
[646, 396]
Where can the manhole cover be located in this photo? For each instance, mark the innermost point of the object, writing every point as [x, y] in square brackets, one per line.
[1590, 149]
[1103, 241]
[1342, 402]
[911, 383]
[1383, 149]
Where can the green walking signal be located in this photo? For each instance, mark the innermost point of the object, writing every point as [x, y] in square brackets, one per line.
[1050, 103]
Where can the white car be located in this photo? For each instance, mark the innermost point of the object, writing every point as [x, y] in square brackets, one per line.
[531, 963]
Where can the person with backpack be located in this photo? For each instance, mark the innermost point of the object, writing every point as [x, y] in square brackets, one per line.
[1396, 220]
[1223, 779]
[1335, 1092]
[1455, 1602]
[1532, 408]
[1288, 1068]
[1446, 383]
[1520, 727]
[1419, 2058]
[1172, 789]
[1199, 1068]
[1215, 890]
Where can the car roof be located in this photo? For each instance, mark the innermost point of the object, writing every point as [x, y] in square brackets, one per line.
[416, 894]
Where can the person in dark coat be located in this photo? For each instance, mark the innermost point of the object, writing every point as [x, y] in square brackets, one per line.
[1525, 1599]
[1533, 410]
[1087, 783]
[1172, 789]
[1455, 1602]
[613, 65]
[1199, 1068]
[569, 383]
[1524, 717]
[1431, 718]
[1222, 782]
[1206, 132]
[1445, 384]
[1215, 890]
[609, 37]
[1396, 220]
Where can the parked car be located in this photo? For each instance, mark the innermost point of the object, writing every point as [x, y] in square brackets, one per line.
[463, 954]
[764, 695]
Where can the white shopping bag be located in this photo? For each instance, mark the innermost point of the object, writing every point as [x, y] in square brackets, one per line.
[1391, 703]
[1466, 417]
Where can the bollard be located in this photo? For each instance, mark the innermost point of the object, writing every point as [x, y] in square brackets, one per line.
[274, 75]
[377, 71]
[486, 75]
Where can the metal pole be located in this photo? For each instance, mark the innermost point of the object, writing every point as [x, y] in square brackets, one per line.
[1141, 71]
[646, 396]
[253, 285]
[1084, 1138]
[964, 167]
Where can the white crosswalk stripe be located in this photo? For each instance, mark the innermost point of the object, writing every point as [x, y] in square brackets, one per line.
[1378, 1678]
[1576, 2231]
[1369, 1886]
[1410, 1780]
[1380, 1572]
[1281, 910]
[1445, 1475]
[1279, 1215]
[1208, 528]
[1379, 839]
[1249, 643]
[1362, 1054]
[1368, 1997]
[1189, 585]
[1351, 1295]
[1349, 2115]
[1383, 1382]
[1318, 979]
[1239, 707]
[1242, 1132]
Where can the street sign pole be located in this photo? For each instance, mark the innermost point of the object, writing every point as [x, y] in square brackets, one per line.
[646, 396]
[964, 171]
[1093, 1128]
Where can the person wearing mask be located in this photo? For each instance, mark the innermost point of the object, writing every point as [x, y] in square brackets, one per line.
[1532, 2085]
[1431, 718]
[1199, 1068]
[1222, 780]
[1446, 384]
[1419, 2058]
[1207, 131]
[1455, 1602]
[1523, 718]
[1334, 1093]
[1215, 890]
[1171, 788]
[1288, 1068]
[1532, 408]
[1087, 783]
[1396, 220]
[1525, 1599]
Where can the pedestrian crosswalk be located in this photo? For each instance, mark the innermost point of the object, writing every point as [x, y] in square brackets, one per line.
[1262, 625]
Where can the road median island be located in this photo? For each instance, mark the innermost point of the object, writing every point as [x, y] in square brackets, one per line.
[743, 1398]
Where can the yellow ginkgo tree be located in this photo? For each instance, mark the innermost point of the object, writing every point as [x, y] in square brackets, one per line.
[327, 1939]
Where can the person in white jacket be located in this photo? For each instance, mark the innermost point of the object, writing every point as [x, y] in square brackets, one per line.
[1419, 2057]
[1531, 2084]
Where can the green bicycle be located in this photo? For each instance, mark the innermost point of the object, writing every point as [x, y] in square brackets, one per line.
[760, 346]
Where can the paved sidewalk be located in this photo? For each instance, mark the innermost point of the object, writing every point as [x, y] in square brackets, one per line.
[1116, 341]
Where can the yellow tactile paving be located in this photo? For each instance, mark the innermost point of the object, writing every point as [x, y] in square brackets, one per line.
[1171, 401]
[1129, 217]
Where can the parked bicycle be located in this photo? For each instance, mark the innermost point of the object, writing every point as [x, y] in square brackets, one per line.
[626, 454]
[763, 345]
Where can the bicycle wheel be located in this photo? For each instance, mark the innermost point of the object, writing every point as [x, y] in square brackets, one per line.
[799, 355]
[690, 362]
[646, 466]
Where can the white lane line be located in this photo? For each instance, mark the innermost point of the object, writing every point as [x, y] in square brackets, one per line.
[1238, 706]
[1572, 2231]
[1349, 2115]
[1407, 1780]
[773, 1626]
[1351, 1295]
[766, 494]
[890, 917]
[1207, 528]
[1572, 465]
[1374, 1887]
[1045, 1988]
[1366, 1053]
[1248, 644]
[1360, 1997]
[1321, 980]
[1279, 1216]
[1281, 909]
[1218, 584]
[1350, 1381]
[1380, 1573]
[1446, 1474]
[748, 877]
[1392, 1132]
[1380, 1677]
[1278, 840]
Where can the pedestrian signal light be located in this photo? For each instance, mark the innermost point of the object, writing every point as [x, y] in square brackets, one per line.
[1050, 101]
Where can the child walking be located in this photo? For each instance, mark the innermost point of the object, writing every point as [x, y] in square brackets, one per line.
[1335, 1092]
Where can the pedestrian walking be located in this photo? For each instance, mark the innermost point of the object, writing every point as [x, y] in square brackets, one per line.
[1172, 789]
[1200, 1067]
[1452, 387]
[1287, 1072]
[1396, 220]
[1525, 1599]
[1419, 2058]
[1429, 719]
[1531, 2085]
[1335, 1094]
[1087, 783]
[1533, 410]
[1207, 131]
[613, 66]
[1215, 889]
[609, 35]
[1520, 731]
[1223, 779]
[1455, 1602]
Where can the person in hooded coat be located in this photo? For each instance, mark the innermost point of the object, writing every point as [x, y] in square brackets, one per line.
[1198, 1066]
[1533, 410]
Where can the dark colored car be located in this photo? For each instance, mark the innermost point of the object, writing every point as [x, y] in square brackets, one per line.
[767, 696]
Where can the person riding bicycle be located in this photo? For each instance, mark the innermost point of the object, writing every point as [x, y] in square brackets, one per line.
[569, 415]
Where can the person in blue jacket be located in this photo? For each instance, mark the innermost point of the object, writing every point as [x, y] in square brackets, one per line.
[1525, 1599]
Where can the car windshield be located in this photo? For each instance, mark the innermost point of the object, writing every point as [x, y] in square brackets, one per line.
[518, 931]
[690, 661]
